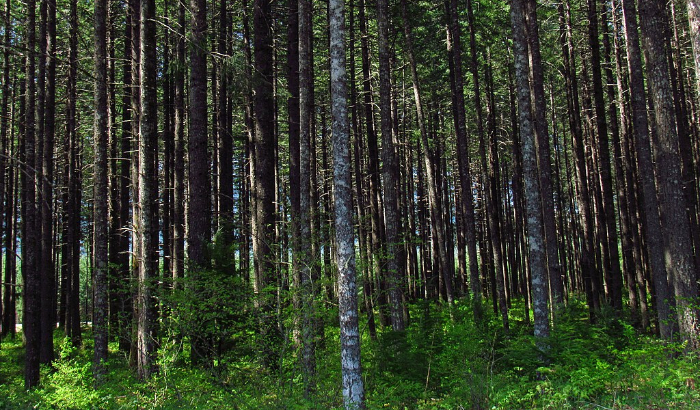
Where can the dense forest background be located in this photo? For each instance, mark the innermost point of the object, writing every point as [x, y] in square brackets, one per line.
[478, 203]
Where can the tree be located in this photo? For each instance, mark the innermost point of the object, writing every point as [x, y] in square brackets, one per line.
[305, 70]
[677, 243]
[199, 218]
[101, 199]
[264, 171]
[147, 225]
[30, 273]
[353, 387]
[533, 196]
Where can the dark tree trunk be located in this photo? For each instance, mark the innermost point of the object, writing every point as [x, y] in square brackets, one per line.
[100, 223]
[199, 217]
[148, 222]
[674, 218]
[264, 173]
[645, 172]
[30, 272]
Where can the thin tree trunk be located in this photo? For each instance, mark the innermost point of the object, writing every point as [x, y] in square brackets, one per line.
[30, 273]
[147, 223]
[100, 223]
[306, 107]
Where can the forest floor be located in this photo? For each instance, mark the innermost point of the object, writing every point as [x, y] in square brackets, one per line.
[443, 361]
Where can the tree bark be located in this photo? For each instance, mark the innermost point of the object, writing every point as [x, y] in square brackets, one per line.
[264, 172]
[147, 222]
[100, 223]
[353, 388]
[677, 244]
[533, 197]
[30, 273]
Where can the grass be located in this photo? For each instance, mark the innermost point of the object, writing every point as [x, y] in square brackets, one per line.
[438, 363]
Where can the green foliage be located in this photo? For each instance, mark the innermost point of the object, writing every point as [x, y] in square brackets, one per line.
[442, 361]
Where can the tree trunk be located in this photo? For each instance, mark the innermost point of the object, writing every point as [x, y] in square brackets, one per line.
[389, 172]
[533, 197]
[306, 106]
[30, 273]
[100, 223]
[674, 218]
[148, 222]
[264, 173]
[353, 388]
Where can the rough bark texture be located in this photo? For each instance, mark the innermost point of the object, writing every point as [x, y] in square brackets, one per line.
[264, 171]
[199, 216]
[100, 308]
[543, 154]
[147, 226]
[678, 251]
[645, 171]
[305, 154]
[31, 275]
[533, 204]
[353, 388]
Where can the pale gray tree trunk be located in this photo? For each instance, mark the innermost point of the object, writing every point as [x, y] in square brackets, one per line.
[533, 197]
[353, 387]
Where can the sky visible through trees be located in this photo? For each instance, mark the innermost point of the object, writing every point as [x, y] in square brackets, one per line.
[188, 172]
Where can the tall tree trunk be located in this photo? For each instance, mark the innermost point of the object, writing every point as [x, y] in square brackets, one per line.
[543, 153]
[148, 222]
[100, 223]
[645, 172]
[674, 218]
[353, 388]
[264, 172]
[30, 272]
[4, 153]
[48, 287]
[533, 197]
[179, 155]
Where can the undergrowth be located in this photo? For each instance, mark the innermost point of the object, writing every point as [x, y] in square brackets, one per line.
[442, 361]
